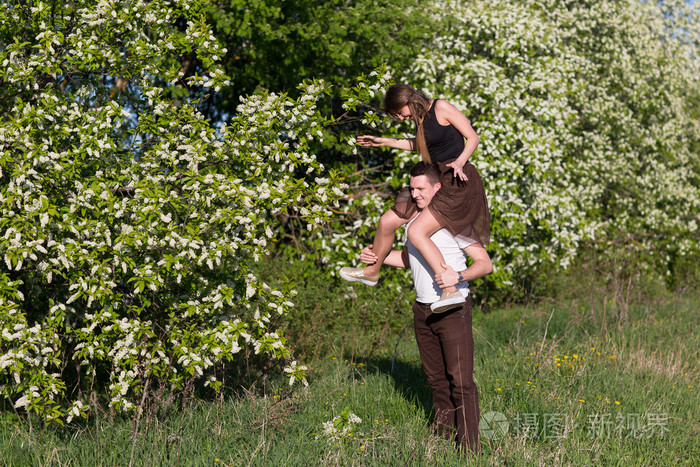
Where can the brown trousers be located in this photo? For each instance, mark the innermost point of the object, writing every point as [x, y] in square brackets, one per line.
[446, 349]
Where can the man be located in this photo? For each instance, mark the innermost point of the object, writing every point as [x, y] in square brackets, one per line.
[444, 340]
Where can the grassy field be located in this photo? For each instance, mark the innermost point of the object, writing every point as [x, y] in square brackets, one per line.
[560, 383]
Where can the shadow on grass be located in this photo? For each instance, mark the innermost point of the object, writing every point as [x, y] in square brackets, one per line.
[409, 380]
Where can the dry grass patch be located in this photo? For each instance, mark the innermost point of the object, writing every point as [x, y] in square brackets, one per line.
[672, 365]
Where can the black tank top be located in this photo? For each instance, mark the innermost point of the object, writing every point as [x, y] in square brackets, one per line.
[444, 141]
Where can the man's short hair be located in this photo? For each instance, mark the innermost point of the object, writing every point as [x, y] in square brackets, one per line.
[429, 169]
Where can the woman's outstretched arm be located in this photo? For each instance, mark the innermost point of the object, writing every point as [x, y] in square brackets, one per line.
[407, 144]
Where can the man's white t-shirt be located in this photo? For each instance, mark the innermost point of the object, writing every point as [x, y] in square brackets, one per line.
[451, 247]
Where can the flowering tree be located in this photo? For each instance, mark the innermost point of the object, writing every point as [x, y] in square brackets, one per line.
[128, 223]
[587, 135]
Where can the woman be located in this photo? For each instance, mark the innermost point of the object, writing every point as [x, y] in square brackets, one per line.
[444, 136]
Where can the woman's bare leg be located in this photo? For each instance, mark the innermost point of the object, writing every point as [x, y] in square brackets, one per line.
[384, 240]
[419, 233]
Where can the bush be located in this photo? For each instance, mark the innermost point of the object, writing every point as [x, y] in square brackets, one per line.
[129, 222]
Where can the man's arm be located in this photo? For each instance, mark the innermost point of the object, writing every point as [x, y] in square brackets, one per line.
[396, 258]
[480, 267]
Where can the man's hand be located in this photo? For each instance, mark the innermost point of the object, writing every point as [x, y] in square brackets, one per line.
[367, 256]
[446, 278]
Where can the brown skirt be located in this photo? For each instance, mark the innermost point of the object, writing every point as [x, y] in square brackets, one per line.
[460, 207]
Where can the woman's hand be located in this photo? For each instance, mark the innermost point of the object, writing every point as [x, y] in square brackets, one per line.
[367, 256]
[458, 170]
[370, 141]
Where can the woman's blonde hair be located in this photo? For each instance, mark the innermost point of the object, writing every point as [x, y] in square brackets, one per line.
[400, 95]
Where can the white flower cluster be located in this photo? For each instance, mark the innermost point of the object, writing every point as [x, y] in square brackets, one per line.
[340, 426]
[296, 373]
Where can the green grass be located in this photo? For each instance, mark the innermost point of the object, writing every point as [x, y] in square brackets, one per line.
[564, 367]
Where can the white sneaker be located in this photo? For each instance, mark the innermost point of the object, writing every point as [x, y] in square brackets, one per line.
[448, 301]
[358, 275]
